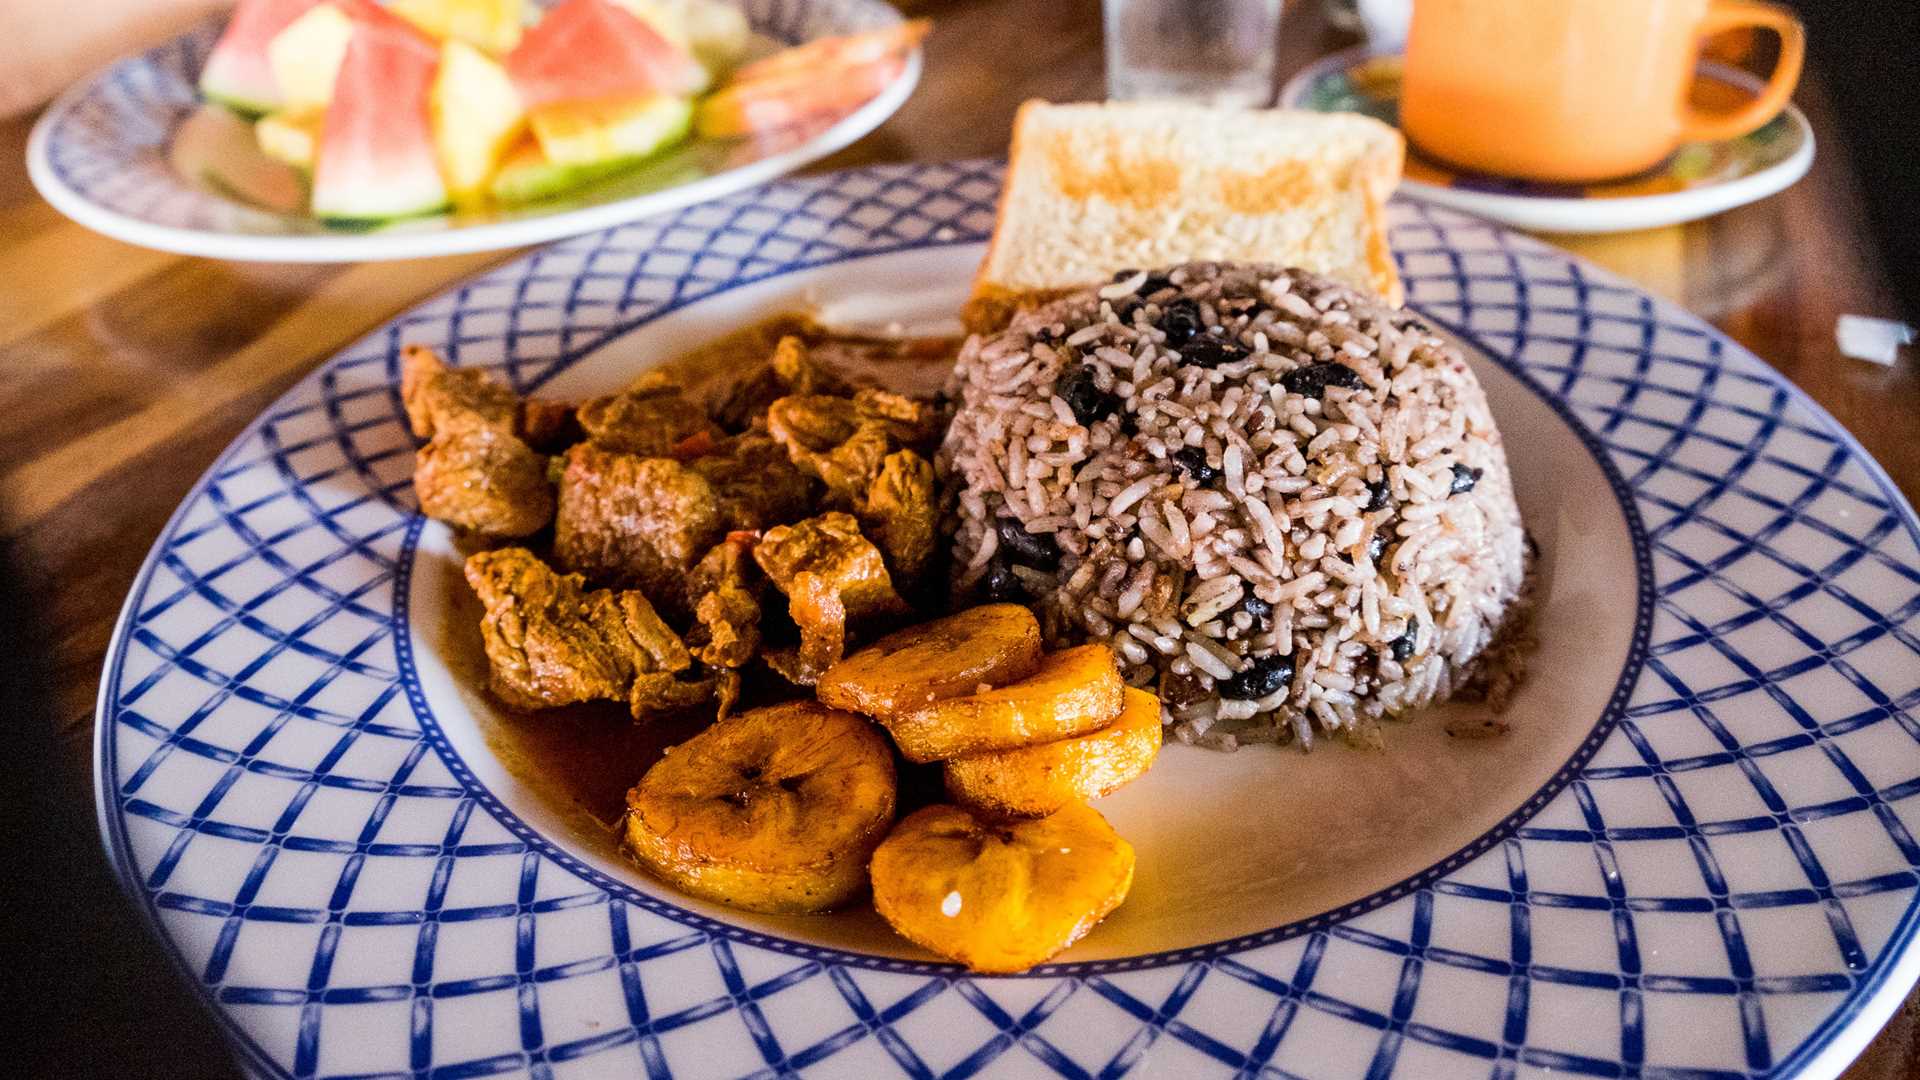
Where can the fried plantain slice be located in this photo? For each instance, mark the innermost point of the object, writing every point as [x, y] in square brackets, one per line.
[1000, 897]
[988, 645]
[1071, 692]
[1033, 781]
[775, 810]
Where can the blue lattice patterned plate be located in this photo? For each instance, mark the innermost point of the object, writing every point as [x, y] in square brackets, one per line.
[132, 153]
[1695, 856]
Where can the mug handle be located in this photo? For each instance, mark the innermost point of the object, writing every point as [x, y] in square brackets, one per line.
[1702, 126]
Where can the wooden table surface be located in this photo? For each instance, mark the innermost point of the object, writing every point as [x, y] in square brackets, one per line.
[123, 372]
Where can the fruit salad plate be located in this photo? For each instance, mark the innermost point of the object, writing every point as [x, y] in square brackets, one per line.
[134, 152]
[1695, 854]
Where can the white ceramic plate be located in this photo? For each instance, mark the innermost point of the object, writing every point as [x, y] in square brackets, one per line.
[111, 155]
[1695, 855]
[1698, 180]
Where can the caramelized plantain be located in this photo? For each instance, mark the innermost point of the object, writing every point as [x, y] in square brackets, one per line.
[988, 645]
[1000, 897]
[775, 810]
[1072, 692]
[1033, 781]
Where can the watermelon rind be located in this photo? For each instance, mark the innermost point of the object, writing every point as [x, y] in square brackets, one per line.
[247, 108]
[236, 74]
[591, 132]
[387, 201]
[529, 175]
[376, 157]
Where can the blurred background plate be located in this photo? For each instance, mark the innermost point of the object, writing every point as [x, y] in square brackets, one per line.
[1699, 180]
[132, 154]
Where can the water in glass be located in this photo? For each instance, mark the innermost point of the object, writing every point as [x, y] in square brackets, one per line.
[1214, 51]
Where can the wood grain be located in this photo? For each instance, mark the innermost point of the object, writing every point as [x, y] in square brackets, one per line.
[123, 372]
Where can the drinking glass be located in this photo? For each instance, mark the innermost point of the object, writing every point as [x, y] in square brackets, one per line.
[1215, 51]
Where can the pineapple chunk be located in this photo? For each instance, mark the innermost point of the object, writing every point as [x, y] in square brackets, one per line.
[663, 17]
[715, 33]
[491, 25]
[476, 116]
[587, 133]
[306, 56]
[289, 137]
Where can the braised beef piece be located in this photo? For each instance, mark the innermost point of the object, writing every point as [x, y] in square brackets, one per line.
[842, 441]
[791, 370]
[832, 576]
[659, 691]
[909, 421]
[900, 514]
[437, 396]
[794, 365]
[634, 521]
[475, 472]
[483, 480]
[653, 418]
[550, 641]
[755, 482]
[723, 591]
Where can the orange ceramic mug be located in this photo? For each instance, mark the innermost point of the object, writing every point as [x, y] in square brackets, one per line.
[1576, 90]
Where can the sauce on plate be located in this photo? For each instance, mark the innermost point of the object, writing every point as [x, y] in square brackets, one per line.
[582, 759]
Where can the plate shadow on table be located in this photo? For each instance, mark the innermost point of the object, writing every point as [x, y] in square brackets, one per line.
[90, 992]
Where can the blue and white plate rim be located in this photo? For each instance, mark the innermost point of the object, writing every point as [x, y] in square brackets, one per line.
[1875, 998]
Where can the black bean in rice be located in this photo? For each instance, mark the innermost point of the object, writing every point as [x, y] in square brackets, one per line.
[1251, 464]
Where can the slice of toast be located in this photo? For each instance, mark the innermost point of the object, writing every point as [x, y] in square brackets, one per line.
[1096, 188]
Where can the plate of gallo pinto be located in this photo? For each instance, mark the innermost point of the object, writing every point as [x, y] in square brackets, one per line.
[1212, 667]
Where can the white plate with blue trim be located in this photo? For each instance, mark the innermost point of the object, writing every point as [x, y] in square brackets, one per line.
[1695, 855]
[133, 153]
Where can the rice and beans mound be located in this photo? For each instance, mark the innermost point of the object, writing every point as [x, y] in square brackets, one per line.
[1284, 506]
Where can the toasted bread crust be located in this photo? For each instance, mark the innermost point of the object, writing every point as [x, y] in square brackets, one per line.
[1382, 176]
[991, 307]
[1133, 176]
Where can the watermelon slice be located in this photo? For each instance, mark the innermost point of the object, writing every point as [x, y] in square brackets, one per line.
[376, 146]
[595, 50]
[237, 74]
[306, 55]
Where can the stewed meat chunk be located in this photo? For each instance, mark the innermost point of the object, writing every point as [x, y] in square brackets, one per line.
[756, 485]
[634, 521]
[724, 592]
[550, 641]
[833, 576]
[900, 514]
[475, 472]
[651, 419]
